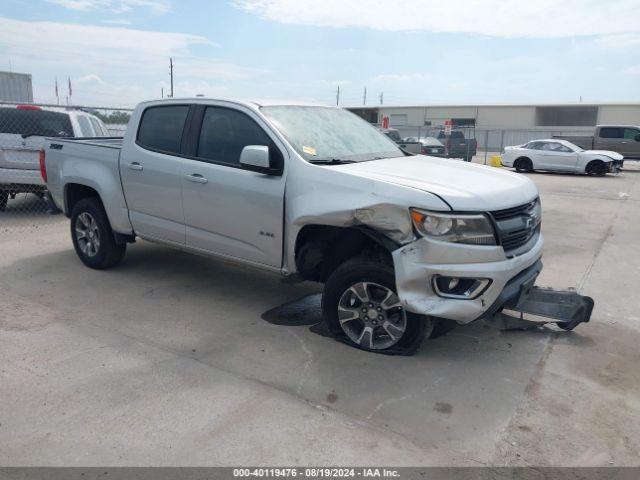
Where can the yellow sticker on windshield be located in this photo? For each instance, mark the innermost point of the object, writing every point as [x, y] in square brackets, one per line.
[309, 150]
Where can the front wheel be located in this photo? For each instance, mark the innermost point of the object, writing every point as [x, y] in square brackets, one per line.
[523, 165]
[92, 236]
[596, 168]
[361, 308]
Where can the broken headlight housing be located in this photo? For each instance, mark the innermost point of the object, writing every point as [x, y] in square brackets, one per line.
[471, 229]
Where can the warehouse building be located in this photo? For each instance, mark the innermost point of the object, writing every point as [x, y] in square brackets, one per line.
[495, 126]
[16, 87]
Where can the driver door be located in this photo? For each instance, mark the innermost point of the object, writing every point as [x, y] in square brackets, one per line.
[556, 156]
[230, 211]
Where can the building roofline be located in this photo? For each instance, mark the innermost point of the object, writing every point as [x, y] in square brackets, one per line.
[475, 105]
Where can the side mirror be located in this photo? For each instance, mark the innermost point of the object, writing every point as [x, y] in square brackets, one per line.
[256, 158]
[637, 137]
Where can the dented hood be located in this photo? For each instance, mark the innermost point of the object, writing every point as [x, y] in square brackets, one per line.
[464, 186]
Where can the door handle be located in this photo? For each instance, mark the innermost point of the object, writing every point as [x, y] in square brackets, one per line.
[135, 166]
[196, 178]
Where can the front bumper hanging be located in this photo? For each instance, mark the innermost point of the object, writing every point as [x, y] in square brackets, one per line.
[567, 309]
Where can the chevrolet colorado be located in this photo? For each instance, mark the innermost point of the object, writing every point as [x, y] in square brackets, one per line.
[314, 193]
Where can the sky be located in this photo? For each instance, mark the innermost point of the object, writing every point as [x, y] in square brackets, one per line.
[116, 52]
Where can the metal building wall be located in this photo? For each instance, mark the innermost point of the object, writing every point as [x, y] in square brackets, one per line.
[16, 87]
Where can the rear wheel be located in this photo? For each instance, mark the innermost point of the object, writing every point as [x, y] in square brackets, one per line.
[523, 165]
[4, 198]
[92, 236]
[596, 168]
[361, 308]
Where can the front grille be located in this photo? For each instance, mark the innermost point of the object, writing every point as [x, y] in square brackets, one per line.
[517, 225]
[513, 211]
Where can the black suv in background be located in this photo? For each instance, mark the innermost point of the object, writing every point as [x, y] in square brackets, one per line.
[457, 146]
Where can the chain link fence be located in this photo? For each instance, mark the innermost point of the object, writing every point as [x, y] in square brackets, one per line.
[490, 141]
[24, 201]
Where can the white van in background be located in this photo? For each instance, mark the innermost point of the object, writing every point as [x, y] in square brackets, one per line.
[22, 132]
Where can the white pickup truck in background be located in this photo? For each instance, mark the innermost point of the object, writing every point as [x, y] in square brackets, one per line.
[315, 193]
[22, 132]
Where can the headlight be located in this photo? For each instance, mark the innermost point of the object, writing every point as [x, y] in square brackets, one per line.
[470, 229]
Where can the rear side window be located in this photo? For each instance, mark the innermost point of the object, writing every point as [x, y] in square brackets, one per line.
[611, 132]
[161, 128]
[85, 126]
[97, 127]
[35, 122]
[225, 133]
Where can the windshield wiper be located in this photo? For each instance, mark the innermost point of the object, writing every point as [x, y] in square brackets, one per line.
[330, 161]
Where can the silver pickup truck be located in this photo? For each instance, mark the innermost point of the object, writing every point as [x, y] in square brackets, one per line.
[314, 193]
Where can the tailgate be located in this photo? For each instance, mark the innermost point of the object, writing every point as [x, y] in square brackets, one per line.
[20, 158]
[20, 153]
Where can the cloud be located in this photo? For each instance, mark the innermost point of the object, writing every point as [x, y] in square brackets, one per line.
[615, 42]
[635, 71]
[118, 21]
[90, 78]
[409, 77]
[112, 65]
[500, 18]
[158, 7]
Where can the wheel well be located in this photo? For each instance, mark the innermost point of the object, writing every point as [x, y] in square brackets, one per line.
[75, 192]
[521, 158]
[320, 249]
[592, 163]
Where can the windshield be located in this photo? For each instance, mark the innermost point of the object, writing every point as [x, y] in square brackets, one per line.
[327, 133]
[573, 146]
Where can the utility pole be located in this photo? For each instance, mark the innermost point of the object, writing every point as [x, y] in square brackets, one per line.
[161, 92]
[364, 97]
[171, 75]
[338, 96]
[381, 98]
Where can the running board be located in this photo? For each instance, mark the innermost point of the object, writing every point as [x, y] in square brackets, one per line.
[565, 308]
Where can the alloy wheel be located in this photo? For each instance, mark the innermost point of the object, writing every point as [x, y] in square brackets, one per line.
[372, 316]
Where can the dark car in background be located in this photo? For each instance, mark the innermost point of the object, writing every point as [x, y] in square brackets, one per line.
[429, 146]
[457, 145]
[412, 146]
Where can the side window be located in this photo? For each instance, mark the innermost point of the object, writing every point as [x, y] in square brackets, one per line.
[535, 145]
[161, 128]
[630, 133]
[97, 127]
[85, 127]
[611, 132]
[225, 132]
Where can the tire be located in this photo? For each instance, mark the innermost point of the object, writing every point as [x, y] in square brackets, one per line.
[93, 237]
[4, 198]
[361, 286]
[468, 159]
[523, 165]
[596, 168]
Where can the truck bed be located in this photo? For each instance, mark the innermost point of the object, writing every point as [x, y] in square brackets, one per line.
[110, 142]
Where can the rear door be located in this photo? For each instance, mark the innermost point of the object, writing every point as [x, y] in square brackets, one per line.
[230, 211]
[151, 170]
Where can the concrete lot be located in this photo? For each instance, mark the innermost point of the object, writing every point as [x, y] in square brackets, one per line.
[166, 360]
